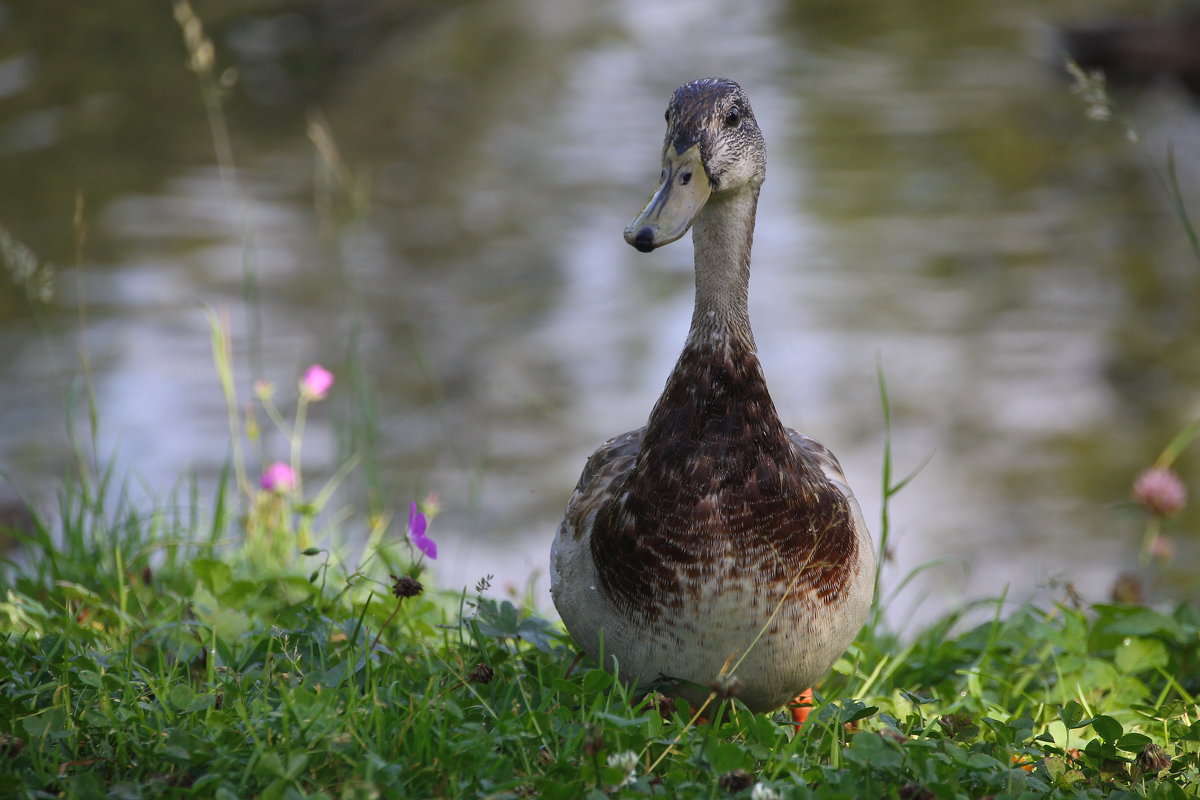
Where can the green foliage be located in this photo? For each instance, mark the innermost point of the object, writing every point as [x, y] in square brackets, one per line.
[137, 664]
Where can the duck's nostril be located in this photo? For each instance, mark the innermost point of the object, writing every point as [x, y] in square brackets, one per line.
[644, 241]
[685, 179]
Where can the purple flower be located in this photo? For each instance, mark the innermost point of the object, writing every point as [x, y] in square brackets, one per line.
[316, 382]
[416, 531]
[1160, 491]
[278, 477]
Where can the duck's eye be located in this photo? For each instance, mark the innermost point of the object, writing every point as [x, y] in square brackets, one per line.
[667, 116]
[733, 117]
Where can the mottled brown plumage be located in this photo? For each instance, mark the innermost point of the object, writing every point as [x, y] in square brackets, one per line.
[713, 537]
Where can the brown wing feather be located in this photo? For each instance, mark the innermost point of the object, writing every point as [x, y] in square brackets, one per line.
[605, 469]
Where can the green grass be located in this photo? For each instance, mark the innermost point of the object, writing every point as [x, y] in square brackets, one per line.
[142, 656]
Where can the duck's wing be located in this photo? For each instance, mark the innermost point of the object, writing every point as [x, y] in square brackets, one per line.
[815, 453]
[602, 475]
[573, 577]
[820, 456]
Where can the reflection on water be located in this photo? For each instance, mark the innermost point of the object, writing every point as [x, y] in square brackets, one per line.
[936, 204]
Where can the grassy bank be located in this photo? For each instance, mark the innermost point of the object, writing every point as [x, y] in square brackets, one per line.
[208, 652]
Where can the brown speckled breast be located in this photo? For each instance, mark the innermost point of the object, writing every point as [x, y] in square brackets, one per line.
[719, 492]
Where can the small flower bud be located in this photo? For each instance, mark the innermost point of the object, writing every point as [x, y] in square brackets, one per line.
[1162, 549]
[278, 477]
[316, 382]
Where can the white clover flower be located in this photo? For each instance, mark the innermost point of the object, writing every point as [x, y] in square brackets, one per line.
[627, 762]
[763, 792]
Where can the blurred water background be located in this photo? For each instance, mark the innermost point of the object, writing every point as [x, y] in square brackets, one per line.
[938, 204]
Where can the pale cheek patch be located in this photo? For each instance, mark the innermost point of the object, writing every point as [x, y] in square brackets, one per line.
[727, 165]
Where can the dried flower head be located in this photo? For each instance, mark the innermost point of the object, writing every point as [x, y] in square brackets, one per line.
[11, 746]
[1160, 491]
[406, 586]
[665, 706]
[1128, 589]
[735, 781]
[958, 725]
[1152, 760]
[593, 743]
[727, 686]
[915, 791]
[481, 674]
[278, 477]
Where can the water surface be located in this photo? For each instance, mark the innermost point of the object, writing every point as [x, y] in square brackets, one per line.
[937, 205]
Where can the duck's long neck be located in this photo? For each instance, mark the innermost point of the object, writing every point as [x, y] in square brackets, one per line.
[717, 393]
[722, 235]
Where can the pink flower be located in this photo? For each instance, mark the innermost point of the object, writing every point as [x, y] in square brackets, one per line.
[430, 505]
[1160, 491]
[416, 531]
[278, 477]
[316, 382]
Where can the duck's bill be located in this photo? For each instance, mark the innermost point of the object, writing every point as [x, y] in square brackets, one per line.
[670, 212]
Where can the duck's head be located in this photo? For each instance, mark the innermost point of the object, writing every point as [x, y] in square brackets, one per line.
[713, 146]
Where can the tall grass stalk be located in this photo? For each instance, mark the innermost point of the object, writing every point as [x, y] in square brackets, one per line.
[889, 490]
[214, 86]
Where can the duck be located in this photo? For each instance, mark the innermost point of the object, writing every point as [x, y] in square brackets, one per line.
[713, 549]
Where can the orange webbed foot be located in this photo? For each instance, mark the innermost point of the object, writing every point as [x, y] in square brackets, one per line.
[800, 707]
